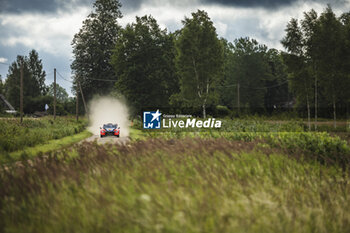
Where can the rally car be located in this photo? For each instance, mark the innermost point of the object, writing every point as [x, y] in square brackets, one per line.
[110, 129]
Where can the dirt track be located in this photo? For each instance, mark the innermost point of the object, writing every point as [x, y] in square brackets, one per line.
[109, 139]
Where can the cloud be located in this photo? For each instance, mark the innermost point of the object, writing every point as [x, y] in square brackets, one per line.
[251, 3]
[264, 24]
[2, 59]
[270, 4]
[47, 6]
[129, 6]
[51, 33]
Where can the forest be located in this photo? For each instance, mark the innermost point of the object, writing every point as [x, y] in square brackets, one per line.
[193, 70]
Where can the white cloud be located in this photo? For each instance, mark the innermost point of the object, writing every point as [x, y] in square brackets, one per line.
[265, 25]
[221, 28]
[51, 33]
[2, 59]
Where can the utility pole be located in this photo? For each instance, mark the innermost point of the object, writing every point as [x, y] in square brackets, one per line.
[77, 105]
[82, 96]
[21, 94]
[238, 100]
[315, 99]
[54, 94]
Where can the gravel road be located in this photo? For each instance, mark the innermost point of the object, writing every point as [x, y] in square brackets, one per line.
[108, 139]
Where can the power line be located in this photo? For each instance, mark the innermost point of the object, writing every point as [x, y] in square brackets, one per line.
[107, 80]
[63, 77]
[95, 79]
[3, 63]
[277, 85]
[258, 88]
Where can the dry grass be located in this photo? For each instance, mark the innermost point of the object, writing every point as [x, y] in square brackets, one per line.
[175, 185]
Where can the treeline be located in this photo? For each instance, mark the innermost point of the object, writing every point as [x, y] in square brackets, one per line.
[36, 94]
[194, 71]
[192, 68]
[318, 61]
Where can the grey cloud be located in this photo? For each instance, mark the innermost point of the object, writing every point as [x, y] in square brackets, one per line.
[131, 5]
[43, 6]
[251, 3]
[269, 3]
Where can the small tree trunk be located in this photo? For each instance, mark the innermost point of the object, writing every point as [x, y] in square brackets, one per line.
[238, 99]
[334, 113]
[308, 111]
[315, 101]
[204, 111]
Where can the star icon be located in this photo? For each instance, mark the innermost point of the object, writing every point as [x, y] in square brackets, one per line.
[156, 115]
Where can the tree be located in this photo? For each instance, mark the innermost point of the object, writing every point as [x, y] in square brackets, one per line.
[329, 40]
[61, 93]
[309, 26]
[36, 69]
[92, 48]
[250, 74]
[1, 92]
[295, 59]
[144, 63]
[320, 52]
[277, 94]
[227, 83]
[345, 20]
[32, 79]
[199, 60]
[1, 86]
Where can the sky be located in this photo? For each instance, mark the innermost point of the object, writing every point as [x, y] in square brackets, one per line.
[48, 26]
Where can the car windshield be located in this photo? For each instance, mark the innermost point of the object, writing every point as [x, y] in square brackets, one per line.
[108, 126]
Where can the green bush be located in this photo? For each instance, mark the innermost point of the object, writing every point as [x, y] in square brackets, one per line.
[222, 111]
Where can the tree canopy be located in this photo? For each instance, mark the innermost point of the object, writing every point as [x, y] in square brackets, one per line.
[144, 63]
[61, 93]
[199, 61]
[317, 60]
[193, 68]
[33, 79]
[92, 48]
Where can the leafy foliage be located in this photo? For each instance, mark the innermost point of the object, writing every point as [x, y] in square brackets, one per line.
[144, 63]
[61, 93]
[317, 56]
[199, 61]
[33, 79]
[92, 48]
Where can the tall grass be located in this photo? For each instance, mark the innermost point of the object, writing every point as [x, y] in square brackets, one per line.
[175, 185]
[15, 136]
[290, 136]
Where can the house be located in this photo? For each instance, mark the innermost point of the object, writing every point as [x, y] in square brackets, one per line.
[7, 106]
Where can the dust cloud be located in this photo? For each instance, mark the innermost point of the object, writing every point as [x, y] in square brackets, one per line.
[103, 110]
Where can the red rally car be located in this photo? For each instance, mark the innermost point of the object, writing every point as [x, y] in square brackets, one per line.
[110, 129]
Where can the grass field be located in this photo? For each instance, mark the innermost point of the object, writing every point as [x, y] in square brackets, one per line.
[48, 146]
[15, 136]
[210, 181]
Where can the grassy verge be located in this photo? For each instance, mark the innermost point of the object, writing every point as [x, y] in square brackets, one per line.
[137, 134]
[175, 185]
[172, 181]
[15, 136]
[49, 146]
